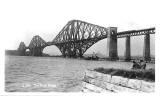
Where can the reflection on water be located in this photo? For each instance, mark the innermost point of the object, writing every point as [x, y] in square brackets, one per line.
[46, 74]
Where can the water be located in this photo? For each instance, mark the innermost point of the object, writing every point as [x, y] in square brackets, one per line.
[51, 74]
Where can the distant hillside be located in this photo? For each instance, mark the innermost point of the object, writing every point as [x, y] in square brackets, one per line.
[17, 53]
[11, 52]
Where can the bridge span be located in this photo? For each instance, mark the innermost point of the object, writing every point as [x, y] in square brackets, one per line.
[77, 36]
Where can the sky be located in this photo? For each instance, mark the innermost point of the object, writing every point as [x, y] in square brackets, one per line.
[21, 20]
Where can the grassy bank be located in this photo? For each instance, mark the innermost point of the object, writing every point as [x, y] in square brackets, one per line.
[147, 75]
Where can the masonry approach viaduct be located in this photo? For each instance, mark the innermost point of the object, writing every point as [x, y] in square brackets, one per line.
[77, 36]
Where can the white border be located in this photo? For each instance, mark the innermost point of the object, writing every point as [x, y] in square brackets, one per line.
[152, 4]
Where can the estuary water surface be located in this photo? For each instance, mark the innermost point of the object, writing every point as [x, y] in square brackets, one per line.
[50, 74]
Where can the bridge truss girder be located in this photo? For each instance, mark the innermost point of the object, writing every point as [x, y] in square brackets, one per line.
[135, 32]
[76, 30]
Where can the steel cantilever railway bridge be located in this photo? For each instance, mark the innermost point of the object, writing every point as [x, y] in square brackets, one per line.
[77, 36]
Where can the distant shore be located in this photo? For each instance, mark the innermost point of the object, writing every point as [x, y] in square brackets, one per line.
[85, 56]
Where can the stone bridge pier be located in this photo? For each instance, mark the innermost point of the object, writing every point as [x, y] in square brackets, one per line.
[112, 53]
[127, 49]
[146, 49]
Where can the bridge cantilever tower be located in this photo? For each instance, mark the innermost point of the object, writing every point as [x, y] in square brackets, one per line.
[22, 49]
[77, 36]
[36, 46]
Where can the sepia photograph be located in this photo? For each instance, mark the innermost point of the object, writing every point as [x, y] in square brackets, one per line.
[83, 46]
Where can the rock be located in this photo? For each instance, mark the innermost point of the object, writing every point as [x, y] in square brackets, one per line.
[135, 84]
[94, 74]
[89, 73]
[132, 90]
[99, 82]
[87, 79]
[148, 86]
[85, 90]
[108, 86]
[123, 81]
[106, 77]
[93, 87]
[117, 88]
[98, 75]
[115, 80]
